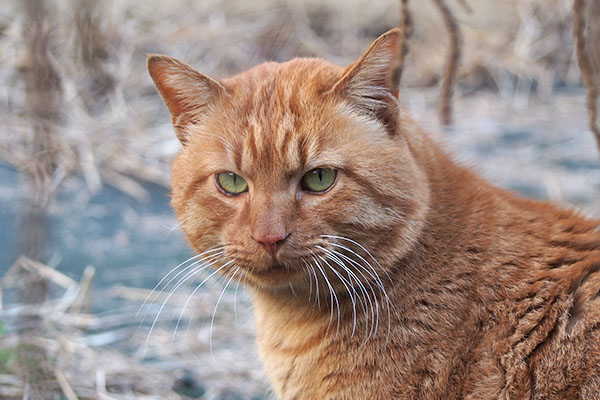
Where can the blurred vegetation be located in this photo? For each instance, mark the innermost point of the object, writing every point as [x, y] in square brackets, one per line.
[77, 102]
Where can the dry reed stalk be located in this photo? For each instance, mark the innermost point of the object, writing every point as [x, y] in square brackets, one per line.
[84, 346]
[41, 171]
[465, 6]
[452, 61]
[43, 98]
[406, 27]
[41, 167]
[91, 53]
[66, 388]
[590, 70]
[83, 298]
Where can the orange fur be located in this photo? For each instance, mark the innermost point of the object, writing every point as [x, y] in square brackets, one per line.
[487, 295]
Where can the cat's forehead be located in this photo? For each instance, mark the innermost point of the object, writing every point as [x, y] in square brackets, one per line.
[303, 75]
[278, 118]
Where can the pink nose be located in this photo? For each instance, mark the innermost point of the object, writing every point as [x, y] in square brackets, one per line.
[272, 242]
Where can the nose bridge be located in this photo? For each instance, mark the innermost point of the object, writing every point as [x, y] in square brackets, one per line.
[270, 215]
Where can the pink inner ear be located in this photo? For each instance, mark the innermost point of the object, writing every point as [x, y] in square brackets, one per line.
[377, 69]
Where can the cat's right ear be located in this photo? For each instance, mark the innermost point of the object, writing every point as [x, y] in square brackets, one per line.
[371, 84]
[185, 91]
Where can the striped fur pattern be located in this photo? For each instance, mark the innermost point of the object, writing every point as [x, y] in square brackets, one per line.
[411, 278]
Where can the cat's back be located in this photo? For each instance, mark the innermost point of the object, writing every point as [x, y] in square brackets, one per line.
[546, 314]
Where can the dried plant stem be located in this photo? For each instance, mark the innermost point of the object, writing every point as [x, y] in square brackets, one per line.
[92, 54]
[452, 62]
[43, 94]
[589, 75]
[39, 173]
[406, 26]
[465, 6]
[42, 97]
[64, 385]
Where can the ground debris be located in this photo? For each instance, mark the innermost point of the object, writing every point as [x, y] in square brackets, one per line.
[69, 345]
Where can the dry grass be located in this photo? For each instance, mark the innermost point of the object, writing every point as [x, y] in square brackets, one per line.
[74, 352]
[587, 37]
[111, 127]
[97, 115]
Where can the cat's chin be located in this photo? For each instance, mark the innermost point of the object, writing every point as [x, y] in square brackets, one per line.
[272, 276]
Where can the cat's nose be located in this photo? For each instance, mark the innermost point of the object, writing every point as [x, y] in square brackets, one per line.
[272, 242]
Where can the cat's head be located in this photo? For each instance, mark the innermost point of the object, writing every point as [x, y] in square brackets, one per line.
[295, 169]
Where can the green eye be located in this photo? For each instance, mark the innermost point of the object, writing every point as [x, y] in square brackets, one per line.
[319, 179]
[231, 183]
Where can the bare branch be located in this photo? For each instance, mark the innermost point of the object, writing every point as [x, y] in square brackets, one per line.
[451, 62]
[589, 75]
[406, 26]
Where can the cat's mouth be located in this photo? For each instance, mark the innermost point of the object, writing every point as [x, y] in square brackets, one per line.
[274, 272]
[273, 269]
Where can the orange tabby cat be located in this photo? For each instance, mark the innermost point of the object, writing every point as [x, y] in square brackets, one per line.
[379, 268]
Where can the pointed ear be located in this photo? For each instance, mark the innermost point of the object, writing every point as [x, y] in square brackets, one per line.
[371, 83]
[185, 91]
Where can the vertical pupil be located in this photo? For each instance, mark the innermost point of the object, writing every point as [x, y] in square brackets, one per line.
[320, 172]
[234, 179]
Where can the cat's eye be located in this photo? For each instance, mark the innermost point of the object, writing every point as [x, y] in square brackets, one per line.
[231, 183]
[319, 179]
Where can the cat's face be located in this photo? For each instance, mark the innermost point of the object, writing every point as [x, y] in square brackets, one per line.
[294, 169]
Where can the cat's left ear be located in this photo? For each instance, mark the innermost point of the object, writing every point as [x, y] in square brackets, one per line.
[372, 83]
[185, 91]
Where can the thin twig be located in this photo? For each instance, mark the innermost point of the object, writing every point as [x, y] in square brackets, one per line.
[406, 27]
[585, 65]
[452, 61]
[64, 385]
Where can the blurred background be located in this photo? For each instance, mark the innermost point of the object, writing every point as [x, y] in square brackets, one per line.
[86, 146]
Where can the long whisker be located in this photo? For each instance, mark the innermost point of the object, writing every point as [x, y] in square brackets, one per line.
[310, 282]
[292, 289]
[312, 274]
[332, 296]
[380, 282]
[194, 292]
[181, 282]
[201, 256]
[206, 292]
[372, 272]
[312, 268]
[237, 286]
[365, 294]
[212, 320]
[375, 320]
[359, 245]
[344, 282]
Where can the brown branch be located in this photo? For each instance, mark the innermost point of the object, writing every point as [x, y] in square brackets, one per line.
[451, 62]
[465, 6]
[590, 81]
[406, 27]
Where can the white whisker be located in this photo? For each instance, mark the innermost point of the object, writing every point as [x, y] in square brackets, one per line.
[237, 286]
[212, 320]
[201, 255]
[348, 286]
[356, 243]
[181, 282]
[374, 314]
[332, 296]
[310, 290]
[374, 272]
[292, 289]
[194, 292]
